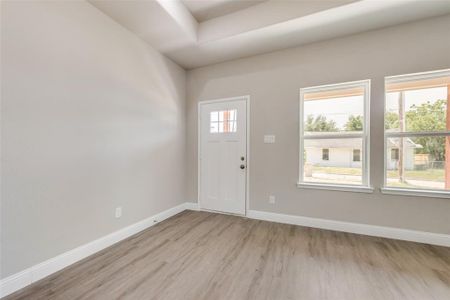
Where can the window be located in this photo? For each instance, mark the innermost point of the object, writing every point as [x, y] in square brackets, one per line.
[334, 119]
[356, 155]
[223, 121]
[325, 154]
[417, 132]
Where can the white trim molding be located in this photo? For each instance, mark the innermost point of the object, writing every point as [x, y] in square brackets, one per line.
[192, 206]
[413, 192]
[28, 276]
[418, 76]
[365, 229]
[336, 187]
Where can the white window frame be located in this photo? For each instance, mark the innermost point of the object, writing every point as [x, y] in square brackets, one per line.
[400, 190]
[364, 135]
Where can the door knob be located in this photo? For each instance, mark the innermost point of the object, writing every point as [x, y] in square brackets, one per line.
[242, 167]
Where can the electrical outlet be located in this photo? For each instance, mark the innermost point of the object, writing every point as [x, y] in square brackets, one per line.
[271, 199]
[269, 139]
[118, 212]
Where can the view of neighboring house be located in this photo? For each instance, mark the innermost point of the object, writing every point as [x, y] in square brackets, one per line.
[343, 153]
[346, 153]
[410, 157]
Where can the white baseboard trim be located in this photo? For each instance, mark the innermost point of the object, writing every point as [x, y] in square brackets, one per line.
[192, 206]
[28, 276]
[372, 230]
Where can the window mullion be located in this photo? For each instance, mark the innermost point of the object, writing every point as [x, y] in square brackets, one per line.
[416, 134]
[334, 136]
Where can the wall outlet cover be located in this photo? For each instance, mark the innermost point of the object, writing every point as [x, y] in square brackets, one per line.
[269, 139]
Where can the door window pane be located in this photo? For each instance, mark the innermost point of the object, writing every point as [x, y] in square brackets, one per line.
[223, 121]
[214, 127]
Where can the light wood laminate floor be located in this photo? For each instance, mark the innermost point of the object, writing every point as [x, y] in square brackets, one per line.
[201, 255]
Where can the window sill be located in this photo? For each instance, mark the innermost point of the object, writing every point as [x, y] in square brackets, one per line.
[336, 187]
[412, 192]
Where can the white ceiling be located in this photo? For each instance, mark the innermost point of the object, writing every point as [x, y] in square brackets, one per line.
[204, 10]
[196, 33]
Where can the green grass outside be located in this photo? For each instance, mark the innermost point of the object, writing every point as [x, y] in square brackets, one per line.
[402, 185]
[338, 171]
[430, 174]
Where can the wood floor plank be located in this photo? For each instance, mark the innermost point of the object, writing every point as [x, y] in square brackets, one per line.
[202, 255]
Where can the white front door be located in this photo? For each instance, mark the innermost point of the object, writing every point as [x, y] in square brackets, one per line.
[223, 155]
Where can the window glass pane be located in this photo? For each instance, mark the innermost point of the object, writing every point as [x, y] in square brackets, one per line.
[340, 110]
[418, 162]
[221, 115]
[230, 126]
[417, 105]
[223, 121]
[214, 116]
[339, 168]
[221, 129]
[232, 114]
[214, 127]
[226, 126]
[394, 153]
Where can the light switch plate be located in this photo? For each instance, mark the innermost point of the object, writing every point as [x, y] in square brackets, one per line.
[118, 212]
[269, 139]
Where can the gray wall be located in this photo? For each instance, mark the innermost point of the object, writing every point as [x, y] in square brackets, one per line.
[273, 81]
[92, 118]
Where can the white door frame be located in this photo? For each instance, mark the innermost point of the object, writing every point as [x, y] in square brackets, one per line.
[199, 136]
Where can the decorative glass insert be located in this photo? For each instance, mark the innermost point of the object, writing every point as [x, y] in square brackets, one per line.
[223, 121]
